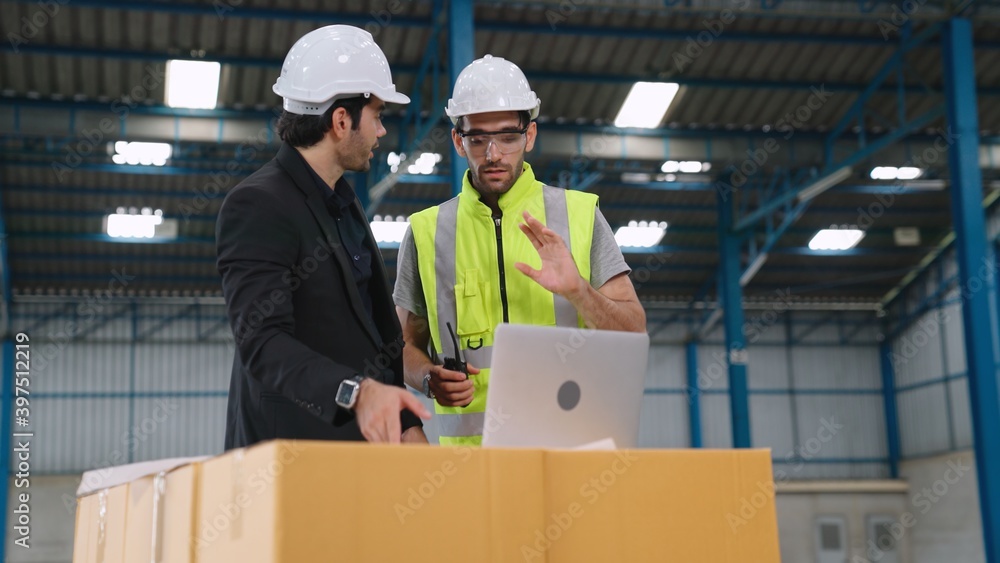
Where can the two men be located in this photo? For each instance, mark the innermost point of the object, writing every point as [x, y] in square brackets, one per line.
[507, 249]
[306, 291]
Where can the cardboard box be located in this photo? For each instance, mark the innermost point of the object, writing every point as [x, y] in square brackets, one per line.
[138, 512]
[100, 526]
[161, 514]
[294, 501]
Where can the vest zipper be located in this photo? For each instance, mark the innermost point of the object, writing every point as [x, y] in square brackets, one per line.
[503, 281]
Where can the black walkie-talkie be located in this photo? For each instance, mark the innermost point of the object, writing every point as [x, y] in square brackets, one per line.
[456, 363]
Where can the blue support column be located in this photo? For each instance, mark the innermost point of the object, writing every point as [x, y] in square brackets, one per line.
[6, 411]
[6, 380]
[889, 402]
[461, 51]
[971, 255]
[731, 295]
[694, 393]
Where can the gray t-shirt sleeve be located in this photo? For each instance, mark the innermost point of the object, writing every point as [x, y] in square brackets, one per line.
[408, 292]
[606, 259]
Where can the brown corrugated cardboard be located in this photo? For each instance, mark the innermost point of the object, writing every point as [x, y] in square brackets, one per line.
[161, 517]
[179, 511]
[647, 505]
[318, 501]
[100, 524]
[310, 501]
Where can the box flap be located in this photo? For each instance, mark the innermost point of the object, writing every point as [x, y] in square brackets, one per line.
[107, 477]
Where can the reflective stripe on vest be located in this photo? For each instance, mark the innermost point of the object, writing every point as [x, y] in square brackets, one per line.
[460, 425]
[557, 219]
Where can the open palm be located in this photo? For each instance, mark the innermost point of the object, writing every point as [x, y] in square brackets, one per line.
[559, 273]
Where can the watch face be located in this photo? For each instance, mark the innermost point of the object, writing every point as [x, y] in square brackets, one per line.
[346, 392]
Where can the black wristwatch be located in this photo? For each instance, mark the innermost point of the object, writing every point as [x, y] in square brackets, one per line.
[347, 393]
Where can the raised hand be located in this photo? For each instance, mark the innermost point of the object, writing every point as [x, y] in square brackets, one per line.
[559, 273]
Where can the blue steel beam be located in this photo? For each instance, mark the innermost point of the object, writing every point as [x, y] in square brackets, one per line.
[871, 148]
[802, 271]
[207, 280]
[732, 303]
[417, 123]
[971, 252]
[663, 248]
[693, 393]
[990, 203]
[395, 119]
[533, 76]
[868, 148]
[376, 21]
[6, 375]
[437, 179]
[461, 51]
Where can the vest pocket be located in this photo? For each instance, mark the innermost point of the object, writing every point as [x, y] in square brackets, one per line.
[472, 304]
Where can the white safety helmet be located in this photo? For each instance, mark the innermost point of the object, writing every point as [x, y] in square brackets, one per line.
[333, 62]
[491, 84]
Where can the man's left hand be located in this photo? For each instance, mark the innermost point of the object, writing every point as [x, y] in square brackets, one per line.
[559, 273]
[414, 435]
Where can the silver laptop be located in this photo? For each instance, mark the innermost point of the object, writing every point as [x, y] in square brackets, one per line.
[559, 387]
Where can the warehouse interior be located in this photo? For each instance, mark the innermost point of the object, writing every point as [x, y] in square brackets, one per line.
[869, 371]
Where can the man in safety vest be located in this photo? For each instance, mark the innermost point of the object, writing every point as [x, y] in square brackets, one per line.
[507, 249]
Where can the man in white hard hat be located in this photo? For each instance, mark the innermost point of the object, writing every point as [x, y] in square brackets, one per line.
[318, 344]
[507, 249]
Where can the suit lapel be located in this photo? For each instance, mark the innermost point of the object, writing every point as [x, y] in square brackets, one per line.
[295, 166]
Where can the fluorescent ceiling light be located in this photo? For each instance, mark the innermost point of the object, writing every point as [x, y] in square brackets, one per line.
[144, 225]
[690, 167]
[424, 164]
[192, 84]
[685, 166]
[883, 173]
[393, 160]
[893, 173]
[836, 239]
[824, 183]
[646, 104]
[148, 154]
[641, 234]
[387, 230]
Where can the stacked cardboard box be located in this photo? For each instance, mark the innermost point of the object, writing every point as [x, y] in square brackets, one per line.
[294, 501]
[142, 512]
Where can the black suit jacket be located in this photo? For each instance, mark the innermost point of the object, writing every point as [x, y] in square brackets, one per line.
[296, 314]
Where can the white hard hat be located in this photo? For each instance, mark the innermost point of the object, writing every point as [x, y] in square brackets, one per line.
[491, 84]
[333, 62]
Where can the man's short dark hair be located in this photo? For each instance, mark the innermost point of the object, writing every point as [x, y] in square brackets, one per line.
[523, 120]
[304, 131]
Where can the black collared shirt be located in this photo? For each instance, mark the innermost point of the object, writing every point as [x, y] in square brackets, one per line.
[340, 204]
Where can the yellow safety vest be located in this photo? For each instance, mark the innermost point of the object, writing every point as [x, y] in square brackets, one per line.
[458, 244]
